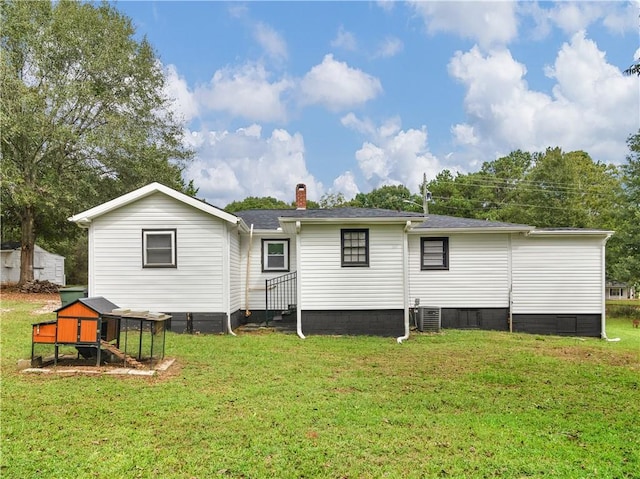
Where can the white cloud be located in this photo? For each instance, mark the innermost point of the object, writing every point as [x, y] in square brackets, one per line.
[386, 5]
[246, 92]
[232, 165]
[366, 126]
[392, 155]
[488, 23]
[345, 184]
[271, 41]
[337, 86]
[464, 134]
[184, 104]
[624, 18]
[373, 161]
[573, 17]
[390, 47]
[345, 40]
[594, 107]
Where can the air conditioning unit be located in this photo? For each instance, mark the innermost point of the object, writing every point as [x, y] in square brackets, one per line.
[428, 319]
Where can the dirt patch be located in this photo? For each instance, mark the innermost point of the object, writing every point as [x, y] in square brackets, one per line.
[12, 294]
[167, 368]
[582, 354]
[51, 300]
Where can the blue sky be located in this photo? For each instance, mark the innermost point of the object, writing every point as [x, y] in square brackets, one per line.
[350, 96]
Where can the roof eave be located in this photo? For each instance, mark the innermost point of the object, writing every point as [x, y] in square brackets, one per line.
[472, 229]
[359, 220]
[84, 218]
[576, 232]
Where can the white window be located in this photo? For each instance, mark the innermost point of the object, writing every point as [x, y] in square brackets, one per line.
[159, 248]
[275, 255]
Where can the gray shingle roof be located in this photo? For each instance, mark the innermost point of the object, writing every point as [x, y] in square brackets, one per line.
[268, 219]
[444, 222]
[261, 219]
[99, 304]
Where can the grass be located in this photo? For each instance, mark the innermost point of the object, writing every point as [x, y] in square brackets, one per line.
[456, 404]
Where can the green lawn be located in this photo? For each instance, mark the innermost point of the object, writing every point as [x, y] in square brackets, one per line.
[456, 404]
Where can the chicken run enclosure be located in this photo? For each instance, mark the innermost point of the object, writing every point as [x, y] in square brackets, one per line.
[101, 332]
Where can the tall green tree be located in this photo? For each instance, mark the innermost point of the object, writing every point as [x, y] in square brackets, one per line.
[458, 194]
[83, 117]
[257, 203]
[547, 189]
[568, 190]
[623, 263]
[390, 197]
[332, 200]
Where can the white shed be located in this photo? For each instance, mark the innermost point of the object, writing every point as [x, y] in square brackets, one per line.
[46, 266]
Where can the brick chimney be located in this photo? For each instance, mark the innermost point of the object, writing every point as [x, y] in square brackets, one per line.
[301, 196]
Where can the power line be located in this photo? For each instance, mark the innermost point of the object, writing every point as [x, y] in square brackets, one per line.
[537, 185]
[502, 205]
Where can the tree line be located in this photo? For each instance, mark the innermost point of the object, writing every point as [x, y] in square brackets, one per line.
[83, 119]
[549, 189]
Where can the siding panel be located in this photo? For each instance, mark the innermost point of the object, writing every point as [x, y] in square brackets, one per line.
[116, 266]
[557, 275]
[235, 273]
[478, 274]
[326, 285]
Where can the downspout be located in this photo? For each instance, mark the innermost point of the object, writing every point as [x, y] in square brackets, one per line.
[603, 324]
[247, 312]
[405, 282]
[228, 289]
[298, 288]
[510, 273]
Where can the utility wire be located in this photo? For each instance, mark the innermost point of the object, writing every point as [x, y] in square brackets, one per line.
[502, 205]
[540, 186]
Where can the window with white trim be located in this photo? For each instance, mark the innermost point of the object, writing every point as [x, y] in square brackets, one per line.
[159, 249]
[275, 255]
[355, 247]
[434, 253]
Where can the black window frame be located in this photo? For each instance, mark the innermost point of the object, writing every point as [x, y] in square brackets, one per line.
[173, 233]
[356, 264]
[445, 254]
[287, 243]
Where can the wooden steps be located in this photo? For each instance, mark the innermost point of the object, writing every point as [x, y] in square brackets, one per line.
[119, 354]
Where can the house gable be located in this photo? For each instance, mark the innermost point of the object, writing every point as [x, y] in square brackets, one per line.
[86, 217]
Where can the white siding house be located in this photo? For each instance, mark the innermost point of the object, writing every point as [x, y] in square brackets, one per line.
[340, 271]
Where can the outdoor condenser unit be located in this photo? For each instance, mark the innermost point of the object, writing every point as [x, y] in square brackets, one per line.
[428, 319]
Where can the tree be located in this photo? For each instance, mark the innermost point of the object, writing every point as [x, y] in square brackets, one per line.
[623, 262]
[501, 180]
[257, 203]
[390, 197]
[633, 69]
[568, 190]
[264, 203]
[333, 200]
[454, 195]
[82, 114]
[548, 189]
